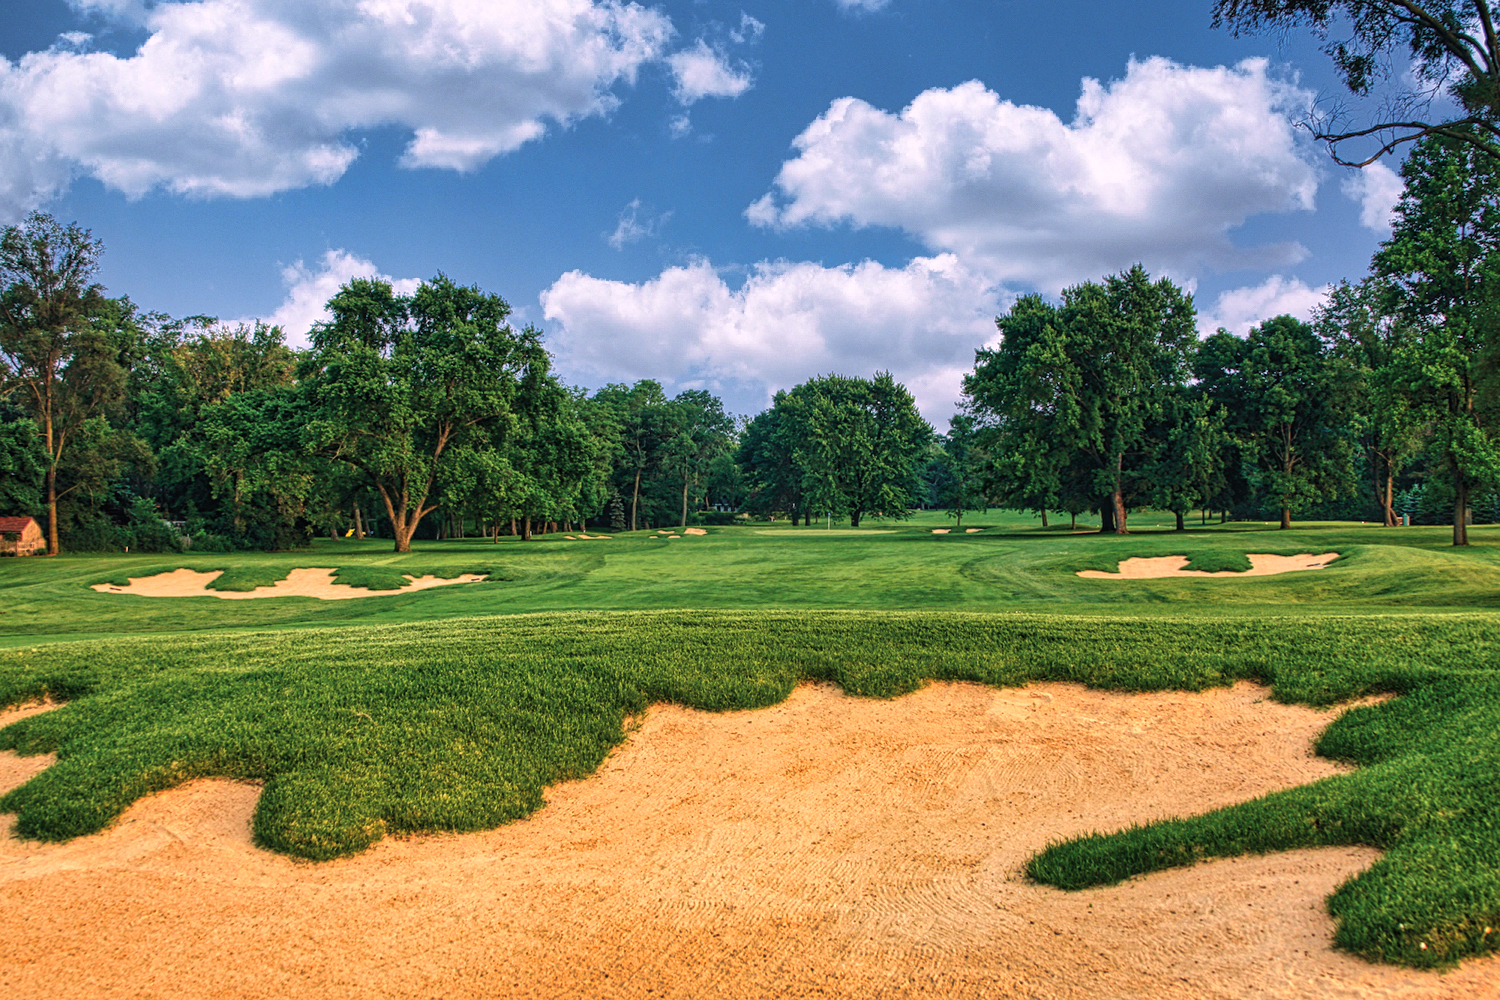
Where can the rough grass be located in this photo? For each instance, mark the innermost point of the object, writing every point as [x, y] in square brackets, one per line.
[461, 725]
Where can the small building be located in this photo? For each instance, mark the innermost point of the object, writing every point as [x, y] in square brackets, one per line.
[21, 536]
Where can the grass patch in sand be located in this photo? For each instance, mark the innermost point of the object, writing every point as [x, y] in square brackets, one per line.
[1219, 561]
[460, 725]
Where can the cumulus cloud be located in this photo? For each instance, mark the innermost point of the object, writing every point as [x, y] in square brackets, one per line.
[243, 98]
[1378, 189]
[1238, 309]
[308, 290]
[787, 322]
[1155, 168]
[861, 6]
[701, 72]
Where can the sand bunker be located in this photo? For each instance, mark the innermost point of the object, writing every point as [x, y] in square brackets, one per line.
[941, 531]
[828, 846]
[694, 531]
[299, 583]
[1160, 567]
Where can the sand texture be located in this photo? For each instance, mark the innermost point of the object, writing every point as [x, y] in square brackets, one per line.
[826, 847]
[299, 583]
[1161, 567]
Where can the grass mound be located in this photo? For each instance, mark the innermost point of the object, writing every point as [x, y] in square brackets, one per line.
[460, 725]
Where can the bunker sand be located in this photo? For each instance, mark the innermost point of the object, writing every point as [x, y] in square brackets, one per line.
[1162, 567]
[827, 846]
[317, 583]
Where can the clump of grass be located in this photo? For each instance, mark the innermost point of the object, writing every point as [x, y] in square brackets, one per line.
[1219, 561]
[460, 725]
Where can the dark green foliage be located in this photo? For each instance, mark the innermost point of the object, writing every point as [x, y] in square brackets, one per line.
[23, 466]
[1079, 403]
[1284, 408]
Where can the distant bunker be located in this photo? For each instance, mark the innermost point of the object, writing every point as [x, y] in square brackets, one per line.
[1173, 567]
[317, 583]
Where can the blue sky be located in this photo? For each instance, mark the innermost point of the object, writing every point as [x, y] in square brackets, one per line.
[735, 196]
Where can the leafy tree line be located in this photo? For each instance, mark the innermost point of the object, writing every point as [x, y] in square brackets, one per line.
[420, 415]
[1107, 401]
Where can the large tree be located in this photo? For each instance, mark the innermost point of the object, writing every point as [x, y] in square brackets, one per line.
[1075, 394]
[400, 387]
[1363, 339]
[56, 364]
[1447, 49]
[1441, 273]
[860, 444]
[1286, 409]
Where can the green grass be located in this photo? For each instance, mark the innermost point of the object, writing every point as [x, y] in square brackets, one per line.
[452, 709]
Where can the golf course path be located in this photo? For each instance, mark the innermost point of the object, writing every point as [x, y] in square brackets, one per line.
[827, 846]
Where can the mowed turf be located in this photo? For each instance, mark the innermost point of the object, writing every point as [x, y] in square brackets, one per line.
[1011, 565]
[459, 723]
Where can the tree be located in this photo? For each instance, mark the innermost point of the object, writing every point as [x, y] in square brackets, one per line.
[861, 442]
[402, 387]
[1363, 340]
[1441, 274]
[960, 485]
[1022, 397]
[637, 410]
[698, 433]
[1450, 48]
[1189, 468]
[766, 456]
[1073, 399]
[54, 362]
[1289, 417]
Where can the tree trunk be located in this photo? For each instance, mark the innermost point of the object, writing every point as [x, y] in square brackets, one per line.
[1073, 524]
[1223, 517]
[1117, 498]
[960, 523]
[684, 503]
[1390, 509]
[1044, 518]
[635, 497]
[1286, 518]
[1106, 519]
[1461, 511]
[1117, 503]
[526, 529]
[854, 519]
[1180, 525]
[359, 524]
[52, 510]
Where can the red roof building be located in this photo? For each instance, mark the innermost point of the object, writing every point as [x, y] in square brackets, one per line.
[21, 536]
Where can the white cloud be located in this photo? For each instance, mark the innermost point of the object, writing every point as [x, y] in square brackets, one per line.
[243, 98]
[750, 30]
[1237, 310]
[701, 72]
[1378, 189]
[309, 289]
[861, 6]
[1155, 168]
[632, 226]
[785, 324]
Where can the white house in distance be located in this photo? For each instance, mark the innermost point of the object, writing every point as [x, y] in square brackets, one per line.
[21, 536]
